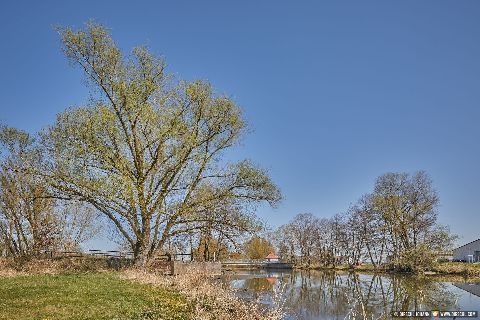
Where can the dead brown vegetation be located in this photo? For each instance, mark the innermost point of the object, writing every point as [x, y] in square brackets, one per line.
[210, 298]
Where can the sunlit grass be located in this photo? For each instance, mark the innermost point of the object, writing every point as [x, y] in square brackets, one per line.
[86, 296]
[467, 269]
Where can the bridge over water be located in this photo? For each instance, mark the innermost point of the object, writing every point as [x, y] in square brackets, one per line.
[255, 264]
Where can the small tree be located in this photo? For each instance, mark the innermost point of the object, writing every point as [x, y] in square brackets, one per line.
[31, 219]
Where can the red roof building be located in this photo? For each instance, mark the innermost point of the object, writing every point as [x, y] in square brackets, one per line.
[272, 257]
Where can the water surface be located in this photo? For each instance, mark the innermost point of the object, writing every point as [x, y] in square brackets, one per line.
[333, 295]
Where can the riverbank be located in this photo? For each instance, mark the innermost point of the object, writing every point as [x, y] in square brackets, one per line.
[212, 299]
[75, 289]
[457, 268]
[469, 270]
[341, 267]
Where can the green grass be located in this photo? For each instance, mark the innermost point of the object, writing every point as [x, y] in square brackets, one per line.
[86, 296]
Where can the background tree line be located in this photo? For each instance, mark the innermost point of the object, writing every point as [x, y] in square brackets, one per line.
[145, 153]
[395, 225]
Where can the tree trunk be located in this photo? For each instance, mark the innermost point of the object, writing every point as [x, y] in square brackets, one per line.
[140, 252]
[140, 259]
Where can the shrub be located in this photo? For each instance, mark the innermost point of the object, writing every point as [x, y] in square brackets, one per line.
[416, 259]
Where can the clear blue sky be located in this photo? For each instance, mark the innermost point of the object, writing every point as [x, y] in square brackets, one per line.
[336, 92]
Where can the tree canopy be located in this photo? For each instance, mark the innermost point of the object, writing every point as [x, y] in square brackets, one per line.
[147, 150]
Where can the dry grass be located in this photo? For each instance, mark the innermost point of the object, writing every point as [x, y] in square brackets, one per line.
[458, 268]
[7, 270]
[25, 266]
[210, 298]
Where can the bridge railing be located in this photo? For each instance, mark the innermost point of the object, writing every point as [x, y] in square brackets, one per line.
[244, 261]
[91, 252]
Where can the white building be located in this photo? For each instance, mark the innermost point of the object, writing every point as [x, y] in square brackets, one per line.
[469, 252]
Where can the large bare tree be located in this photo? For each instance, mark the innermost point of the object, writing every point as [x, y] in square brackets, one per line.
[147, 150]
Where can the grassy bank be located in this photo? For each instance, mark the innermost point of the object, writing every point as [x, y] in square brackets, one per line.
[87, 296]
[87, 289]
[458, 268]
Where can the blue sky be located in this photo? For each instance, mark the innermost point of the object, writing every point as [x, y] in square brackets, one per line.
[336, 92]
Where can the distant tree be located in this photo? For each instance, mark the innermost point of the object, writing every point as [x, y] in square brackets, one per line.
[258, 248]
[146, 153]
[372, 228]
[285, 242]
[408, 206]
[304, 228]
[77, 223]
[307, 239]
[211, 248]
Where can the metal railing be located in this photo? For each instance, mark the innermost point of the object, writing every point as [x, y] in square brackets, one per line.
[89, 253]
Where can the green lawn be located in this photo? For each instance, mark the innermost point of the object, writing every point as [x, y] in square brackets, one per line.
[86, 296]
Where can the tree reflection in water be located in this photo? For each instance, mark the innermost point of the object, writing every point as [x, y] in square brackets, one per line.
[330, 295]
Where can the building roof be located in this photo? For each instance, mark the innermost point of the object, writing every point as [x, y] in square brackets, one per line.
[466, 244]
[272, 280]
[272, 255]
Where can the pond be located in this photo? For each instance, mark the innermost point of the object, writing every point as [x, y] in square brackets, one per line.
[334, 295]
